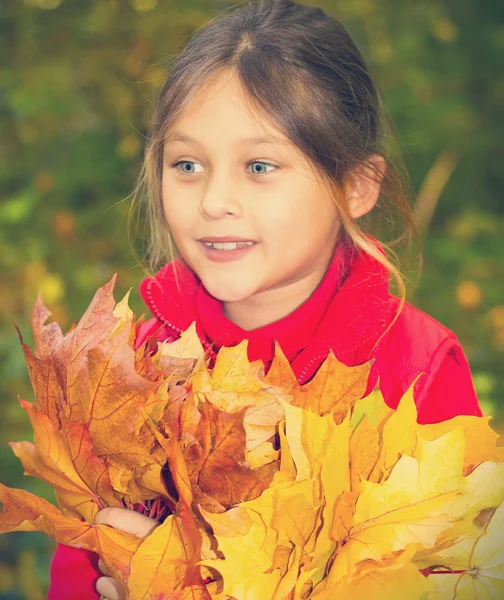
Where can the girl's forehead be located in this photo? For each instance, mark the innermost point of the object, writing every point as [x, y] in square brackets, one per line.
[201, 132]
[178, 135]
[226, 98]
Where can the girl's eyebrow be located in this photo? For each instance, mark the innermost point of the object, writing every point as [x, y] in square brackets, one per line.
[271, 140]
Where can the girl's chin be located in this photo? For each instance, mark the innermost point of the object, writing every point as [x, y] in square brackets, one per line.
[220, 287]
[224, 294]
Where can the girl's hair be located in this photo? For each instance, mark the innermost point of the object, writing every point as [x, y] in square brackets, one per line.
[301, 70]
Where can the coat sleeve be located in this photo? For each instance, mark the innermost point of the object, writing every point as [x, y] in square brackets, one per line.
[447, 390]
[74, 574]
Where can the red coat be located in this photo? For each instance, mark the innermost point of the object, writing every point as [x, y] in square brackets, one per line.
[348, 312]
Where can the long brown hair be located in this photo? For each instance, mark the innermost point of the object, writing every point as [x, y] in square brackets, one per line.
[299, 67]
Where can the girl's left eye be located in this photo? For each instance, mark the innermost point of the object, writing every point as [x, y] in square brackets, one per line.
[252, 162]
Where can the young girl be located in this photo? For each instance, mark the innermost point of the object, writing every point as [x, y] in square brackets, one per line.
[266, 152]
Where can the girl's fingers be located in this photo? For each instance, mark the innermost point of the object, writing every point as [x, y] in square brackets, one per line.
[102, 567]
[130, 522]
[110, 589]
[126, 520]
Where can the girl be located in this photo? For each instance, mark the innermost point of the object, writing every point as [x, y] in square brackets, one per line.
[266, 154]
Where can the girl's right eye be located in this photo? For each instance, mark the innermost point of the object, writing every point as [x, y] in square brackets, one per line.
[184, 162]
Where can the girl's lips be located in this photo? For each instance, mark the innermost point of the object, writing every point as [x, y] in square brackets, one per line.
[222, 256]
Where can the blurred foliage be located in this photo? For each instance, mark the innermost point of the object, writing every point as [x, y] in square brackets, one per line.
[78, 79]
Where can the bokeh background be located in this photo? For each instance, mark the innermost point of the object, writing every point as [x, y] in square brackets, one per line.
[78, 79]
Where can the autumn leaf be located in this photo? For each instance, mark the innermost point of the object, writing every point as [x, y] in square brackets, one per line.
[246, 563]
[159, 566]
[399, 436]
[364, 452]
[319, 448]
[374, 407]
[176, 464]
[335, 388]
[481, 492]
[123, 312]
[480, 438]
[225, 475]
[482, 489]
[86, 385]
[474, 567]
[343, 516]
[25, 512]
[326, 445]
[289, 501]
[410, 509]
[395, 580]
[116, 395]
[187, 346]
[66, 461]
[234, 522]
[70, 355]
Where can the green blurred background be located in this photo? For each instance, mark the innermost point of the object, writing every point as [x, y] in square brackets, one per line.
[78, 79]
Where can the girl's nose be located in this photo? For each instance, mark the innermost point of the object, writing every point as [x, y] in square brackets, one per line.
[220, 200]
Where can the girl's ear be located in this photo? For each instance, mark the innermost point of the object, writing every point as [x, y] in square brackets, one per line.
[363, 189]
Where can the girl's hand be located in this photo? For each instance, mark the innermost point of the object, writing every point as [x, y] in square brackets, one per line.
[130, 522]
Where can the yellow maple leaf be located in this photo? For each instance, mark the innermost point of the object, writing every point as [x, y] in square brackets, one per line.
[159, 566]
[234, 522]
[124, 313]
[364, 452]
[482, 491]
[245, 568]
[394, 580]
[483, 488]
[399, 436]
[480, 438]
[289, 501]
[374, 407]
[188, 345]
[410, 509]
[472, 569]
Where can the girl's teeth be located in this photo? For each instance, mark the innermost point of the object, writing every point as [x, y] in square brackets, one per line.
[228, 245]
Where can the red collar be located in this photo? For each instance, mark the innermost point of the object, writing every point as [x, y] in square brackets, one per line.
[349, 310]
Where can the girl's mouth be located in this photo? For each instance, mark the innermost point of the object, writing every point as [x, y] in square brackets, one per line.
[226, 252]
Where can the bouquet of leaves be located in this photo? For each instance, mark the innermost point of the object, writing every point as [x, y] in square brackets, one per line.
[264, 489]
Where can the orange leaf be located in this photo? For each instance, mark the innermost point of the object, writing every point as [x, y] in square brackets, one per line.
[25, 512]
[65, 460]
[225, 476]
[335, 388]
[176, 463]
[91, 435]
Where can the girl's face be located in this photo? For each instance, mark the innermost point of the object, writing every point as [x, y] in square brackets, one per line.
[225, 185]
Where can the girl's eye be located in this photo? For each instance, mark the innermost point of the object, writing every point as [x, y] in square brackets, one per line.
[260, 162]
[186, 169]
